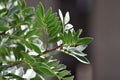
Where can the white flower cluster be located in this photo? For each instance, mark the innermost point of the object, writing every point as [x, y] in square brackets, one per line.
[65, 24]
[65, 21]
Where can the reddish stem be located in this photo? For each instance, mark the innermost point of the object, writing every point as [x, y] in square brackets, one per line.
[52, 49]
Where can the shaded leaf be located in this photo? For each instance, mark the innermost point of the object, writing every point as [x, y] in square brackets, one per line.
[69, 78]
[44, 70]
[85, 41]
[3, 28]
[81, 59]
[64, 73]
[13, 76]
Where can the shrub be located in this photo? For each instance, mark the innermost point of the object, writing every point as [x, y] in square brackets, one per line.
[23, 52]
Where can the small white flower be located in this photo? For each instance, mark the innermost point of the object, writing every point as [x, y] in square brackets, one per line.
[61, 15]
[23, 27]
[65, 21]
[19, 71]
[30, 73]
[67, 17]
[68, 26]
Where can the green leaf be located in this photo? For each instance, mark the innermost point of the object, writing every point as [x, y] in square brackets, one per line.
[21, 4]
[18, 51]
[16, 17]
[53, 63]
[54, 29]
[78, 33]
[40, 11]
[28, 58]
[48, 13]
[60, 67]
[29, 10]
[64, 73]
[49, 21]
[21, 32]
[36, 48]
[67, 38]
[69, 78]
[3, 28]
[13, 76]
[4, 52]
[32, 33]
[51, 18]
[44, 70]
[54, 39]
[38, 77]
[3, 12]
[85, 41]
[26, 43]
[3, 67]
[1, 78]
[32, 46]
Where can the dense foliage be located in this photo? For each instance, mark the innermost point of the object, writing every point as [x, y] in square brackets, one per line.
[24, 54]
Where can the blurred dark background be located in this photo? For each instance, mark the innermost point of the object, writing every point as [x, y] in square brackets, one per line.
[99, 19]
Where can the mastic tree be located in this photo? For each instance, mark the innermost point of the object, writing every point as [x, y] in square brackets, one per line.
[24, 54]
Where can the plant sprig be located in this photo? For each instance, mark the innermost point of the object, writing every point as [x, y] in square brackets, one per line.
[23, 54]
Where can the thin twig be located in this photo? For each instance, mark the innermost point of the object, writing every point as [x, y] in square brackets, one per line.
[52, 49]
[47, 51]
[15, 63]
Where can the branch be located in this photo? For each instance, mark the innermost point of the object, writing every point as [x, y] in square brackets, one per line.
[15, 63]
[52, 49]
